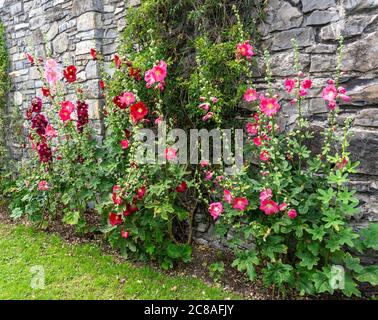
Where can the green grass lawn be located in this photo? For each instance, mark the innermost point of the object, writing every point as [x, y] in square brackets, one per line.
[84, 272]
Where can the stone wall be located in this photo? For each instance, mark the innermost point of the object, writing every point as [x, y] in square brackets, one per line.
[71, 27]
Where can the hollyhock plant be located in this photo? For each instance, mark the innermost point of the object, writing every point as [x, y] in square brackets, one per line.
[257, 141]
[290, 85]
[244, 50]
[292, 214]
[50, 132]
[269, 207]
[208, 175]
[204, 106]
[138, 112]
[216, 209]
[141, 192]
[39, 123]
[46, 91]
[240, 203]
[82, 115]
[93, 53]
[115, 219]
[130, 209]
[43, 186]
[227, 196]
[250, 95]
[44, 152]
[282, 206]
[156, 75]
[330, 93]
[30, 58]
[269, 106]
[208, 116]
[70, 73]
[181, 188]
[204, 163]
[66, 111]
[306, 84]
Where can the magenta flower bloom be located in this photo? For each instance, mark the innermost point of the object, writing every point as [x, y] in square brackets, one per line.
[292, 214]
[250, 95]
[215, 209]
[127, 98]
[266, 194]
[252, 128]
[245, 50]
[125, 144]
[227, 196]
[269, 106]
[290, 84]
[330, 93]
[171, 154]
[269, 207]
[240, 203]
[43, 186]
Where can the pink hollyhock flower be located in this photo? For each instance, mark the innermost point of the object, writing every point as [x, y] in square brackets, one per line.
[292, 214]
[181, 188]
[266, 194]
[306, 84]
[344, 97]
[257, 141]
[127, 98]
[158, 120]
[331, 81]
[250, 95]
[244, 49]
[269, 207]
[141, 192]
[52, 73]
[214, 100]
[125, 144]
[138, 112]
[342, 90]
[124, 234]
[215, 209]
[50, 132]
[332, 105]
[264, 155]
[252, 128]
[115, 219]
[208, 175]
[43, 186]
[160, 71]
[293, 102]
[204, 163]
[269, 106]
[330, 93]
[240, 203]
[117, 61]
[290, 84]
[208, 116]
[282, 206]
[303, 92]
[171, 154]
[204, 106]
[149, 78]
[227, 196]
[66, 111]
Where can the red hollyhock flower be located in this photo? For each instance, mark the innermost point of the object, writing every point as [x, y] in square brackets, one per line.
[141, 192]
[102, 84]
[45, 92]
[124, 144]
[135, 73]
[130, 209]
[181, 188]
[117, 61]
[138, 112]
[70, 73]
[30, 58]
[93, 53]
[66, 111]
[115, 219]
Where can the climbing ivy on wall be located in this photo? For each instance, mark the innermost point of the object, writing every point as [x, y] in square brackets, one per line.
[4, 87]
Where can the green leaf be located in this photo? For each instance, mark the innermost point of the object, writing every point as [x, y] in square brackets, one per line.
[16, 213]
[308, 260]
[71, 218]
[369, 274]
[350, 287]
[352, 263]
[277, 273]
[369, 236]
[321, 281]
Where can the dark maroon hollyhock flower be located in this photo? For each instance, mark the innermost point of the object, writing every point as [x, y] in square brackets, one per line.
[70, 73]
[115, 219]
[36, 105]
[39, 123]
[44, 152]
[29, 114]
[130, 209]
[82, 115]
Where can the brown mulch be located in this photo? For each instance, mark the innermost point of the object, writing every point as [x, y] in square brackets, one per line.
[203, 256]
